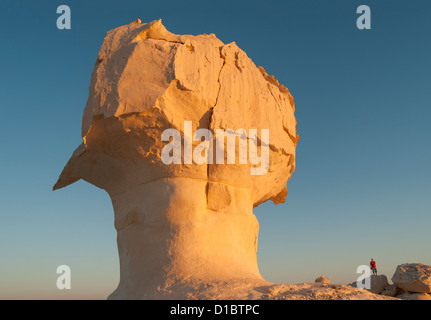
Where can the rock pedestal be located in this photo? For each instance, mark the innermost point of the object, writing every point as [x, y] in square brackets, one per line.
[169, 240]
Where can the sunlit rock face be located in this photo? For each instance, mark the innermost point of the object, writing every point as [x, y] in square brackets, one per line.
[184, 228]
[413, 277]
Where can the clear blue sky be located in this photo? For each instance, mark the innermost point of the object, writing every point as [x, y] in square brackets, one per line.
[362, 186]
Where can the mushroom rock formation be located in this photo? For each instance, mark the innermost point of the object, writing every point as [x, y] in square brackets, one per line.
[182, 227]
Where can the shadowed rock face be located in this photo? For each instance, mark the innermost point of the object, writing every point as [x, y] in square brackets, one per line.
[182, 226]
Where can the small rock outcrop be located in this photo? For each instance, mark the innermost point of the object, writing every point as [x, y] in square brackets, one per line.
[322, 279]
[392, 291]
[378, 283]
[413, 277]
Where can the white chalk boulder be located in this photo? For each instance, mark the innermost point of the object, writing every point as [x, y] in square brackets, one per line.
[413, 277]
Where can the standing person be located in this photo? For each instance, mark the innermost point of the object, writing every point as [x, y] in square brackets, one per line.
[373, 266]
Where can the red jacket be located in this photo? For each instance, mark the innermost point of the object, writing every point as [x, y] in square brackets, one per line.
[373, 264]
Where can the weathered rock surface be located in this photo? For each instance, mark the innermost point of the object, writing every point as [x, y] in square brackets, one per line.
[392, 291]
[243, 290]
[322, 279]
[413, 277]
[378, 283]
[182, 227]
[414, 296]
[147, 79]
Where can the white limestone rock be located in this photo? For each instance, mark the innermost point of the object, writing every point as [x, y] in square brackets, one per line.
[181, 227]
[186, 231]
[413, 277]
